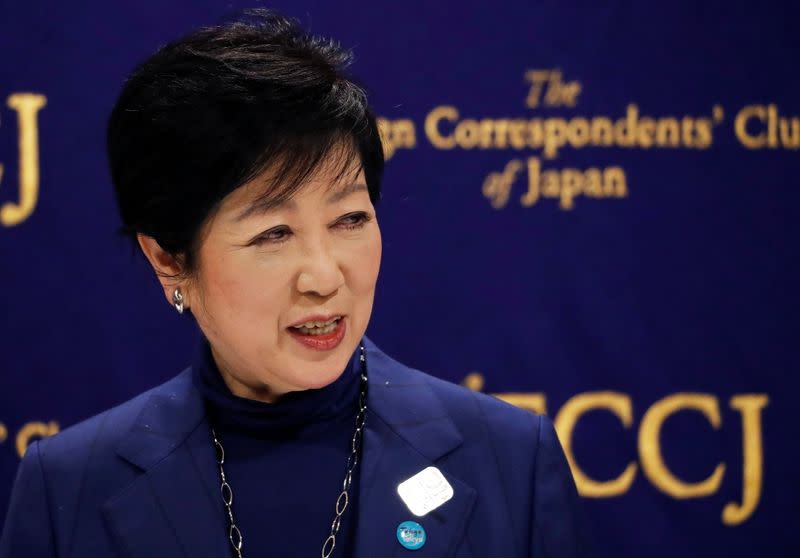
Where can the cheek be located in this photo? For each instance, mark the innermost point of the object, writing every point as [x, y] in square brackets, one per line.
[365, 264]
[238, 291]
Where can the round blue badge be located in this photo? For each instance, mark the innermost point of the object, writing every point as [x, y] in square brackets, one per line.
[411, 535]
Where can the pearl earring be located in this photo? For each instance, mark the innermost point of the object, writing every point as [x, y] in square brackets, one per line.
[177, 300]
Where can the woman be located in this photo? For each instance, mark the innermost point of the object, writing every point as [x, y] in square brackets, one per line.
[246, 166]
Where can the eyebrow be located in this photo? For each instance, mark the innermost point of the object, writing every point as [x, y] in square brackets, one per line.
[263, 206]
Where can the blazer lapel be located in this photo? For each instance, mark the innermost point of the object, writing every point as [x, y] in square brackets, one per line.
[174, 508]
[407, 430]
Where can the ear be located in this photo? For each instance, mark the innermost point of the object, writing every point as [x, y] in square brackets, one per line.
[168, 269]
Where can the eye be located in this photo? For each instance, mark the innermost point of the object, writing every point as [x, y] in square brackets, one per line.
[276, 235]
[353, 220]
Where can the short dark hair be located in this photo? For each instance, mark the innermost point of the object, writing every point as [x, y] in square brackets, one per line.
[208, 112]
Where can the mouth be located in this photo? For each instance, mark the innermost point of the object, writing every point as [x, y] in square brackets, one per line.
[317, 327]
[320, 333]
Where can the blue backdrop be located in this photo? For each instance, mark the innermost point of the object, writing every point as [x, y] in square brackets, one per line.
[590, 209]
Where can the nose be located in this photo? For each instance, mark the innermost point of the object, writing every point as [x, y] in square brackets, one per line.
[320, 273]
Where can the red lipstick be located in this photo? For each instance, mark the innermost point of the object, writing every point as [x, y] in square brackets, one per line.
[319, 342]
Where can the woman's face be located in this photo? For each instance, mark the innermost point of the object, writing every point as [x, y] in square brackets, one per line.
[264, 271]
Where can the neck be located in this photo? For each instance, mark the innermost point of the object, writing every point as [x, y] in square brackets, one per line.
[256, 392]
[263, 410]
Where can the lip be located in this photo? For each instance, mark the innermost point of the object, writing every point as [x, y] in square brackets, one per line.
[325, 342]
[316, 318]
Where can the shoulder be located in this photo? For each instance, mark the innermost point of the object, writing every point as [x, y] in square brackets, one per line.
[67, 477]
[93, 440]
[478, 416]
[504, 419]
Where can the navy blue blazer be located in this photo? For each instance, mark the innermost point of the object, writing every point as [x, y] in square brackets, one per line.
[140, 480]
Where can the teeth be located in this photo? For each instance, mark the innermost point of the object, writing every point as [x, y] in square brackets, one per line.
[317, 328]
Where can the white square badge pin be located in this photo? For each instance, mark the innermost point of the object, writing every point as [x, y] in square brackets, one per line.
[425, 491]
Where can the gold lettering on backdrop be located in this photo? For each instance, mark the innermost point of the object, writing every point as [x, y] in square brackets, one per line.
[750, 407]
[432, 130]
[473, 381]
[741, 124]
[649, 442]
[33, 430]
[497, 185]
[617, 403]
[565, 185]
[27, 106]
[759, 127]
[547, 86]
[3, 433]
[651, 457]
[396, 134]
[755, 127]
[445, 128]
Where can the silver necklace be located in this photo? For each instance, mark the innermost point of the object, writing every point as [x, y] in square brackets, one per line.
[235, 535]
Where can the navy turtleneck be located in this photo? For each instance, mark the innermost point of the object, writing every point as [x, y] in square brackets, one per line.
[285, 461]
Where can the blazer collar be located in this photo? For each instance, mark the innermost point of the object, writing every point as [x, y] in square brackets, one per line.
[407, 429]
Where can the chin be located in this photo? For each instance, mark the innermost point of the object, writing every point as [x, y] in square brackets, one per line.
[305, 375]
[318, 381]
